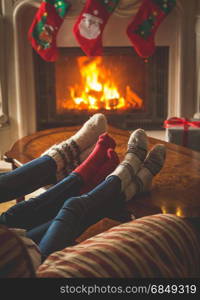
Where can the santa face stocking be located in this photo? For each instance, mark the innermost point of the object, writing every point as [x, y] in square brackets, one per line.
[141, 31]
[43, 31]
[89, 27]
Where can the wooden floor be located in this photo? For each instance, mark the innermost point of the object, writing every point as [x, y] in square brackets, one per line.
[176, 189]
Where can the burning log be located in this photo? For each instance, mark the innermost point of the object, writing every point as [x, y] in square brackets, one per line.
[132, 98]
[113, 103]
[98, 91]
[95, 94]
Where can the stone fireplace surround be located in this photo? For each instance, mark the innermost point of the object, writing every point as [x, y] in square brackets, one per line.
[180, 31]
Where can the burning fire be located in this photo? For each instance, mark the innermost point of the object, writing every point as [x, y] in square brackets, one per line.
[98, 91]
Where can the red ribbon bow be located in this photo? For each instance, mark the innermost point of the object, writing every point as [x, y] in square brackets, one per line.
[182, 122]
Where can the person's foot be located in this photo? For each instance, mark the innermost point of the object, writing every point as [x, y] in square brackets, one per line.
[134, 157]
[91, 166]
[67, 154]
[151, 167]
[109, 165]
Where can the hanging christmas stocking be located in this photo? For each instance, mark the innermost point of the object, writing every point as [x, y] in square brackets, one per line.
[89, 27]
[141, 31]
[43, 31]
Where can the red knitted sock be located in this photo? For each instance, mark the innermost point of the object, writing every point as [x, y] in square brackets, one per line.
[109, 166]
[90, 167]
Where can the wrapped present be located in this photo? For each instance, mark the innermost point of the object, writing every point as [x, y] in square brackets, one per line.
[182, 131]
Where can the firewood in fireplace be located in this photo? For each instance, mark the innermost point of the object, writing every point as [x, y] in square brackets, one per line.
[95, 94]
[133, 100]
[113, 103]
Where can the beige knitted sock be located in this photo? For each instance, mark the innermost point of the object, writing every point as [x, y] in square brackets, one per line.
[152, 165]
[64, 172]
[135, 155]
[67, 153]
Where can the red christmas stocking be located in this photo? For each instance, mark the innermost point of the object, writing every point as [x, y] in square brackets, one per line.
[89, 27]
[43, 31]
[141, 31]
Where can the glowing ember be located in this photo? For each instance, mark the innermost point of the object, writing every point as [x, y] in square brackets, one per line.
[98, 90]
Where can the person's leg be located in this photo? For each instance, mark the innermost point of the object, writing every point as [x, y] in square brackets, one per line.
[55, 163]
[33, 212]
[80, 212]
[27, 178]
[111, 163]
[37, 233]
[93, 210]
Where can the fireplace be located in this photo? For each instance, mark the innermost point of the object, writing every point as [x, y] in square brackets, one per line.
[129, 91]
[22, 93]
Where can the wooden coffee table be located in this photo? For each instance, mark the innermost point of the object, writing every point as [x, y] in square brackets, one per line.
[176, 189]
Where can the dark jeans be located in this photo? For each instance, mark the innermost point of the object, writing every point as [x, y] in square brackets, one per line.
[57, 217]
[76, 214]
[36, 211]
[27, 178]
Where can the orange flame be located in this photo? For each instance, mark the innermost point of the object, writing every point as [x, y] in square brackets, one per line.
[98, 90]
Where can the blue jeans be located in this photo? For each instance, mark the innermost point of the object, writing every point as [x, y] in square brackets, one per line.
[76, 214]
[57, 217]
[36, 211]
[27, 178]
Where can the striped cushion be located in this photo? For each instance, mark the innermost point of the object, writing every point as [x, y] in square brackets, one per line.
[16, 255]
[162, 246]
[32, 249]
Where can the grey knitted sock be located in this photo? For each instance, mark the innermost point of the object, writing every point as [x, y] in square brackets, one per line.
[135, 155]
[152, 165]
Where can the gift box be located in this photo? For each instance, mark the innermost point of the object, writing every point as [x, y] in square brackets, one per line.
[183, 132]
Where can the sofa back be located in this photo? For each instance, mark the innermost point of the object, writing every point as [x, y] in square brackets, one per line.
[162, 246]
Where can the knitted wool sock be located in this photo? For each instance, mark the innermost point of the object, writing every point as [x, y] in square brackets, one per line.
[135, 155]
[151, 167]
[64, 172]
[109, 166]
[67, 153]
[91, 165]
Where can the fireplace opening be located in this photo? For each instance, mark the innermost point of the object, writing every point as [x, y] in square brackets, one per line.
[132, 93]
[103, 83]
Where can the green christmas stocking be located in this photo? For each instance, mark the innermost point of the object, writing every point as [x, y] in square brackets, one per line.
[89, 27]
[43, 31]
[142, 29]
